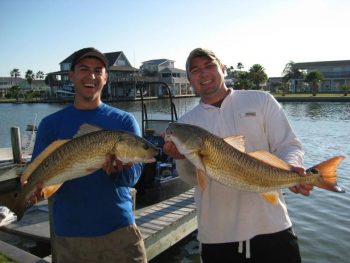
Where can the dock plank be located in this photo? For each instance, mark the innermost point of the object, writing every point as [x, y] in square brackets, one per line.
[34, 224]
[19, 255]
[177, 216]
[161, 225]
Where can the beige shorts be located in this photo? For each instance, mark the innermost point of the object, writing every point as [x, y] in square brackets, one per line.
[121, 245]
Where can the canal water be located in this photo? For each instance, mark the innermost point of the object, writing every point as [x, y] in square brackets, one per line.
[321, 221]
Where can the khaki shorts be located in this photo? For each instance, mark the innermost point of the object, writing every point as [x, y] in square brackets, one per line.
[121, 245]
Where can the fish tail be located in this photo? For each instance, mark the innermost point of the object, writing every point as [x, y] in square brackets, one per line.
[327, 171]
[12, 202]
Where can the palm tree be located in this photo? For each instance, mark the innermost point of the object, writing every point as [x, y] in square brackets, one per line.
[40, 75]
[230, 72]
[29, 77]
[15, 91]
[291, 72]
[314, 78]
[242, 80]
[240, 66]
[15, 73]
[345, 89]
[257, 75]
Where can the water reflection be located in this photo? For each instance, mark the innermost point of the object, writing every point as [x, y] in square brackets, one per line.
[318, 111]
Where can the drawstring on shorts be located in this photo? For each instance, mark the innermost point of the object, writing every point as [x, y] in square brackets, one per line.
[247, 248]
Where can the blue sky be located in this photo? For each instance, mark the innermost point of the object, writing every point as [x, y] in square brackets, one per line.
[39, 34]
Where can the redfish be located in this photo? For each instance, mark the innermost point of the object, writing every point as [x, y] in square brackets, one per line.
[225, 161]
[70, 159]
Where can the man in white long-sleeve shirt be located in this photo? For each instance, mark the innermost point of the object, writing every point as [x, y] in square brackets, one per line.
[230, 221]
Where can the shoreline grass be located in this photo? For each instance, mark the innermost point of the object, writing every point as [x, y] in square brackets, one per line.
[278, 96]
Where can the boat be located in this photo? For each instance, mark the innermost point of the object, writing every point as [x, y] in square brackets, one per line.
[159, 180]
[67, 91]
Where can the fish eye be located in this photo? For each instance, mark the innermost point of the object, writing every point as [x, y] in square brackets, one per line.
[145, 146]
[312, 170]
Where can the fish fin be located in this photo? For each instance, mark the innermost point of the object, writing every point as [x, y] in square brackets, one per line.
[271, 197]
[86, 129]
[40, 158]
[202, 183]
[270, 159]
[328, 174]
[50, 190]
[236, 142]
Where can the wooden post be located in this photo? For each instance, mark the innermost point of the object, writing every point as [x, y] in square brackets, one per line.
[52, 231]
[16, 144]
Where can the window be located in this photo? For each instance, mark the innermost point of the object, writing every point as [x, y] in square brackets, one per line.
[66, 66]
[121, 62]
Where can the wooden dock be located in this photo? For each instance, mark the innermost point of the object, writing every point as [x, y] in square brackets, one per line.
[164, 224]
[161, 225]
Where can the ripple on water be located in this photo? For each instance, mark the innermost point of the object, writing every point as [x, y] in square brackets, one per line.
[322, 223]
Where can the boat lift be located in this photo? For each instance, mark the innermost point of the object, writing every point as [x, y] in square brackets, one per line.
[156, 126]
[158, 180]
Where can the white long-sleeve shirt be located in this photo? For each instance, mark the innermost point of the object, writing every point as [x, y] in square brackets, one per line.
[225, 214]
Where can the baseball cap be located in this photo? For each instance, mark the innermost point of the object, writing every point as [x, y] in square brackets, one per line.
[88, 52]
[200, 52]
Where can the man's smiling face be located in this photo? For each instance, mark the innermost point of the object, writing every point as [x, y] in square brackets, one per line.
[89, 77]
[206, 76]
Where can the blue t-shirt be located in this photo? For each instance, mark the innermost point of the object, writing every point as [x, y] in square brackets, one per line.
[96, 204]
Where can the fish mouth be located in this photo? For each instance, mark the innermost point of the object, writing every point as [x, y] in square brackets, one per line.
[168, 134]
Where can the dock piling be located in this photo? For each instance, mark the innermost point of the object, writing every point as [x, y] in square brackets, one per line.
[16, 145]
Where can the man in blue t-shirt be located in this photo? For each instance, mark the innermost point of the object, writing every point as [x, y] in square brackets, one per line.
[92, 215]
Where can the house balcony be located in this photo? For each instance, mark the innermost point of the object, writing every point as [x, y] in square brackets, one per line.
[336, 75]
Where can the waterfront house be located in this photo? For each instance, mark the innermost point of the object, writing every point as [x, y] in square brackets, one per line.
[124, 80]
[6, 83]
[122, 77]
[165, 71]
[274, 84]
[336, 74]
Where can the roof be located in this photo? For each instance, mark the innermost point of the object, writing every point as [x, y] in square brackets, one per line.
[173, 70]
[68, 59]
[302, 65]
[112, 57]
[123, 68]
[11, 79]
[58, 72]
[157, 61]
[275, 78]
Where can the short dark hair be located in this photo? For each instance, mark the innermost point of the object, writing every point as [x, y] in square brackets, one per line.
[88, 52]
